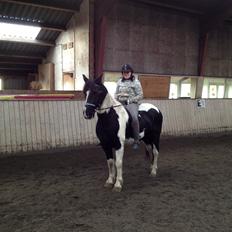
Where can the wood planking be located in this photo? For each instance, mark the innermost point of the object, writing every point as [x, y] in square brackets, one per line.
[2, 128]
[41, 125]
[22, 122]
[155, 86]
[7, 129]
[79, 129]
[52, 119]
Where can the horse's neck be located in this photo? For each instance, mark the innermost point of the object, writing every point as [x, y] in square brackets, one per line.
[108, 102]
[118, 109]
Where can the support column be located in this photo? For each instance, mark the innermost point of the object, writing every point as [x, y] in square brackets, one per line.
[100, 39]
[196, 87]
[102, 10]
[202, 53]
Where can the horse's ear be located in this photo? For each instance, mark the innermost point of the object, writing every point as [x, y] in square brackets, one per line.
[85, 77]
[99, 79]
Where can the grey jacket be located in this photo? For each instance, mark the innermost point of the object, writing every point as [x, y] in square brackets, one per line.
[129, 91]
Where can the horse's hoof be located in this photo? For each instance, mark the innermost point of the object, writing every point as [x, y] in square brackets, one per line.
[108, 185]
[153, 174]
[117, 189]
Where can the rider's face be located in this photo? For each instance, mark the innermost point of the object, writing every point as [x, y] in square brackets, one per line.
[126, 75]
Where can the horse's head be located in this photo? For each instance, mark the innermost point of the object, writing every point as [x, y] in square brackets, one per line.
[95, 93]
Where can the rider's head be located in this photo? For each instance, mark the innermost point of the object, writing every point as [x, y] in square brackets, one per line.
[126, 68]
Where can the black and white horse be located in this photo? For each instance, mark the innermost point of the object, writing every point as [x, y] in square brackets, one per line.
[113, 127]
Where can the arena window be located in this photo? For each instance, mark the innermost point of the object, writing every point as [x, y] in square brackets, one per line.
[215, 88]
[230, 91]
[173, 91]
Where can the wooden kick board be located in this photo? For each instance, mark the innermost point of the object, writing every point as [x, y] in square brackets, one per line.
[155, 86]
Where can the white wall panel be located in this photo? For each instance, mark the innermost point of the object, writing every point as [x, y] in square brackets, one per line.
[41, 125]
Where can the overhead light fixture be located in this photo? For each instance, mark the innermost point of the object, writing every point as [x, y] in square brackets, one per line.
[18, 31]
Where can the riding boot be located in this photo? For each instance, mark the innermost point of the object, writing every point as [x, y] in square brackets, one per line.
[135, 145]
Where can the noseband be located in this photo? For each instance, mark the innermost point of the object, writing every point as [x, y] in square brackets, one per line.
[90, 104]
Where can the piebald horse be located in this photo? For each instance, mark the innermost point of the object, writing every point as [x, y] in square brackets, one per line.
[113, 127]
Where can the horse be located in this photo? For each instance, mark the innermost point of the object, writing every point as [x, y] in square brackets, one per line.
[113, 128]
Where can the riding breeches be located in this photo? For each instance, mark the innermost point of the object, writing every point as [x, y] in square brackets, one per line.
[133, 109]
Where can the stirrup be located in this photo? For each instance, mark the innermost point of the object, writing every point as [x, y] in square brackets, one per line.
[135, 146]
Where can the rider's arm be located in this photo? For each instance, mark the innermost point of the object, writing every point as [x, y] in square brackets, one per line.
[138, 92]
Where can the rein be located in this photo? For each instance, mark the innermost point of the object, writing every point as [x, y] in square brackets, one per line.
[110, 107]
[96, 109]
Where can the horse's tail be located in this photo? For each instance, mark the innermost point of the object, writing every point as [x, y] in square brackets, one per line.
[157, 121]
[160, 122]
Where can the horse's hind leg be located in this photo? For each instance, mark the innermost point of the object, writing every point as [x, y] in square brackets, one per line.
[154, 160]
[147, 153]
[152, 153]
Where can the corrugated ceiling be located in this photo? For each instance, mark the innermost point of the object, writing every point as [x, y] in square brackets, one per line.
[52, 16]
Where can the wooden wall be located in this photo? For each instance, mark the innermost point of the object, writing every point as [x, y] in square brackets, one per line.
[27, 126]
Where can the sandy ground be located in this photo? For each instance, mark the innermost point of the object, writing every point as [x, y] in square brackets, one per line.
[63, 191]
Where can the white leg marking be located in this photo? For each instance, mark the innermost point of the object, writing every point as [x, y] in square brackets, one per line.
[154, 167]
[112, 173]
[141, 134]
[119, 163]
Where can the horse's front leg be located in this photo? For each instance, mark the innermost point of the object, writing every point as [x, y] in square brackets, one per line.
[112, 173]
[119, 163]
[111, 165]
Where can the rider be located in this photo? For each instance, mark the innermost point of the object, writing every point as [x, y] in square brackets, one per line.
[129, 92]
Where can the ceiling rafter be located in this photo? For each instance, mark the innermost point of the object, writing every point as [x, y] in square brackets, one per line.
[28, 56]
[20, 61]
[20, 73]
[63, 8]
[18, 68]
[34, 42]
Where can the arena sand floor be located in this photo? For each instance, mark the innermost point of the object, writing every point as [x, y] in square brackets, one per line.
[63, 191]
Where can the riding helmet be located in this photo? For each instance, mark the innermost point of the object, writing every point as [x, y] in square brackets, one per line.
[127, 68]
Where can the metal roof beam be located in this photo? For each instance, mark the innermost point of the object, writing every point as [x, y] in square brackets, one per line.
[26, 56]
[18, 69]
[41, 5]
[13, 65]
[169, 6]
[6, 61]
[42, 25]
[20, 73]
[34, 42]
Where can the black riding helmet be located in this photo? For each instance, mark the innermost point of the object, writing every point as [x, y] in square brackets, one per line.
[127, 68]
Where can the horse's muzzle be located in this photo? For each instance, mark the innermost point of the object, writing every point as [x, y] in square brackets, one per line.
[88, 115]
